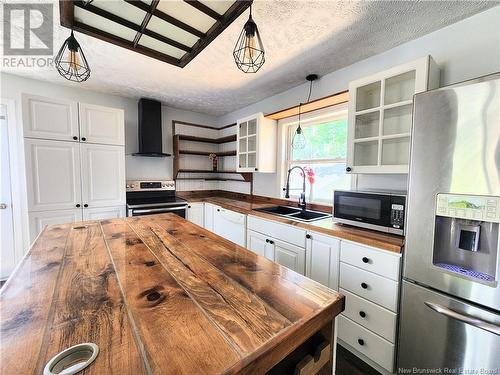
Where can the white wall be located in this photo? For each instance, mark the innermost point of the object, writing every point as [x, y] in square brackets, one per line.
[12, 87]
[465, 50]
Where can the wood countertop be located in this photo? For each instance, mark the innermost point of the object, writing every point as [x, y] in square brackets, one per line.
[327, 226]
[158, 295]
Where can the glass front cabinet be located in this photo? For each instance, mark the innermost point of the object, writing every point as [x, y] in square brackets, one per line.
[256, 144]
[380, 116]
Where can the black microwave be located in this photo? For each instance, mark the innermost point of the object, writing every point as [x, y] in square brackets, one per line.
[382, 211]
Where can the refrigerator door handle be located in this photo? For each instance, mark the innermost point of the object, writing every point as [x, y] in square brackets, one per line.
[479, 323]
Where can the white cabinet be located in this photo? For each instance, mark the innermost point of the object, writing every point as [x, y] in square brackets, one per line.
[230, 225]
[323, 259]
[286, 254]
[75, 161]
[273, 229]
[370, 281]
[103, 213]
[289, 255]
[256, 144]
[66, 120]
[195, 213]
[380, 116]
[52, 174]
[48, 118]
[103, 175]
[101, 124]
[208, 216]
[260, 244]
[38, 220]
[367, 343]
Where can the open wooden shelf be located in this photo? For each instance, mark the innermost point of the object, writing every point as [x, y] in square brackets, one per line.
[218, 141]
[247, 177]
[211, 179]
[206, 153]
[203, 171]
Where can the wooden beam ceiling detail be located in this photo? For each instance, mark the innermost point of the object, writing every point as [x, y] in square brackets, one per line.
[221, 23]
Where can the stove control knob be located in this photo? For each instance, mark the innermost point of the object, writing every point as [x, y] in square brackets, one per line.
[128, 186]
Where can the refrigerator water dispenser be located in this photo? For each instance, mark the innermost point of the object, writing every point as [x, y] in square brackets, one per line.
[466, 241]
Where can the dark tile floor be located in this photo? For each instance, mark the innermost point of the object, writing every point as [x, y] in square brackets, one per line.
[349, 364]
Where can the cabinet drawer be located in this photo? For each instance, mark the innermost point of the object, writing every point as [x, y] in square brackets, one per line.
[369, 315]
[278, 231]
[376, 261]
[374, 347]
[368, 285]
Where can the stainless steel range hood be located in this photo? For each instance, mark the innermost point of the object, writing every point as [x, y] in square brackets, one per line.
[150, 134]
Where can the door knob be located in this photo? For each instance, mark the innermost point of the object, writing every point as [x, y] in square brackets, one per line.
[3, 206]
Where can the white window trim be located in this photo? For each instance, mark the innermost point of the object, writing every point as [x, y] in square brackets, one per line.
[322, 115]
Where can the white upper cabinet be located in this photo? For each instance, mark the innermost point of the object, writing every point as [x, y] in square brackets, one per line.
[101, 124]
[103, 175]
[256, 144]
[48, 118]
[52, 174]
[380, 116]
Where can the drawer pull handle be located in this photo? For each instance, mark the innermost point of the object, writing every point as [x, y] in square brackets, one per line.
[312, 365]
[365, 260]
[308, 236]
[364, 285]
[361, 342]
[362, 314]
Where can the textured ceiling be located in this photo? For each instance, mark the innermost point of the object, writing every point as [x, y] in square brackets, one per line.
[300, 37]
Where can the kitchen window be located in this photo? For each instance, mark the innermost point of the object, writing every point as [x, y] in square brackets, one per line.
[323, 158]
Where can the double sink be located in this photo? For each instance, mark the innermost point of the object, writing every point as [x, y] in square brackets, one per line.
[294, 213]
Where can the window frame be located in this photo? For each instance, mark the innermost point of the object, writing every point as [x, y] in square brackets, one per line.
[312, 119]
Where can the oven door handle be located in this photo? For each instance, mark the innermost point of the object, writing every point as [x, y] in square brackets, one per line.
[158, 210]
[465, 318]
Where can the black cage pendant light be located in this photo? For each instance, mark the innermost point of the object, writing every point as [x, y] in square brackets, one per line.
[299, 140]
[249, 53]
[71, 62]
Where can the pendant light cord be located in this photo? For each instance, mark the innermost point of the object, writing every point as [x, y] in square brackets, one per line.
[310, 91]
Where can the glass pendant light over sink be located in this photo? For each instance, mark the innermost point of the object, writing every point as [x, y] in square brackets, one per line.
[249, 53]
[299, 139]
[71, 62]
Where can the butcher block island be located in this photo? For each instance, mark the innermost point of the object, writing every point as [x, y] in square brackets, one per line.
[160, 295]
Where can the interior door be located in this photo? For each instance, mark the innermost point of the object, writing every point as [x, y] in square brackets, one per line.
[290, 256]
[49, 118]
[101, 124]
[7, 249]
[438, 331]
[103, 175]
[52, 174]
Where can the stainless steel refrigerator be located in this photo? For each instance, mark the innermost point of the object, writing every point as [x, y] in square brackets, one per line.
[450, 304]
